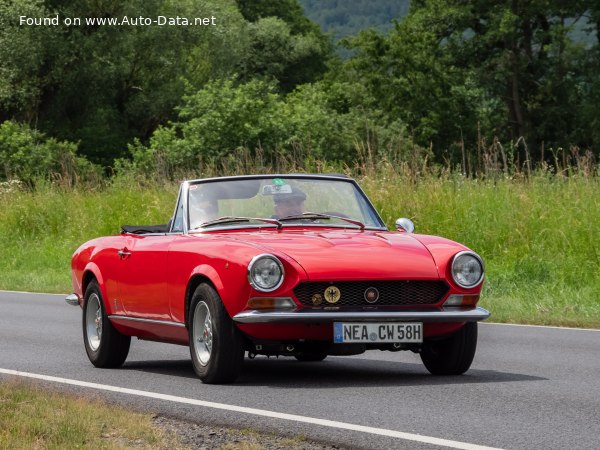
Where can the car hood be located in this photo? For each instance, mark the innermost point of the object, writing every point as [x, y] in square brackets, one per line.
[349, 255]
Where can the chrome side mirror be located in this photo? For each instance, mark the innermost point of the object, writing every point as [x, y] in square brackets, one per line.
[404, 224]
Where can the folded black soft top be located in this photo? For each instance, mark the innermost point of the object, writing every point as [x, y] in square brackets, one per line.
[144, 229]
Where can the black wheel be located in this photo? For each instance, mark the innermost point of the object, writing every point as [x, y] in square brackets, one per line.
[216, 344]
[452, 355]
[104, 345]
[311, 356]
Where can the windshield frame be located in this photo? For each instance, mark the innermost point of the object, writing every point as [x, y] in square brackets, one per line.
[362, 199]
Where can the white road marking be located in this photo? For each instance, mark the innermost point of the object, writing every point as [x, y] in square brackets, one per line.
[31, 293]
[256, 412]
[538, 326]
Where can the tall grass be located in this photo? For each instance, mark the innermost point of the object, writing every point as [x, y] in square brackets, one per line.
[40, 229]
[32, 418]
[538, 237]
[537, 229]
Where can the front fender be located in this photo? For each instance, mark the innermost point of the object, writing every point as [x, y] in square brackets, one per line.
[443, 250]
[231, 291]
[93, 269]
[210, 273]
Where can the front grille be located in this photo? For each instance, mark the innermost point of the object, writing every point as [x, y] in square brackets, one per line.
[391, 292]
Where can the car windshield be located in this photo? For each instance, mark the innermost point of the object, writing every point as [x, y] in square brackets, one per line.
[279, 202]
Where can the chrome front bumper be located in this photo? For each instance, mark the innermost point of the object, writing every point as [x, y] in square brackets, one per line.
[72, 299]
[320, 316]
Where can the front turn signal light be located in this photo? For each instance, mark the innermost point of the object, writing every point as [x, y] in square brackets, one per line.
[462, 300]
[271, 303]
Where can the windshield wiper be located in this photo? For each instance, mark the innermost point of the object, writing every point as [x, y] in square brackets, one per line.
[231, 219]
[318, 216]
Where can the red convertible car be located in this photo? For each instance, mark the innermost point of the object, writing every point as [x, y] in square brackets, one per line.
[291, 265]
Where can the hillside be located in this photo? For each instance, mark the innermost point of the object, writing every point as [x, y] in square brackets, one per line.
[344, 18]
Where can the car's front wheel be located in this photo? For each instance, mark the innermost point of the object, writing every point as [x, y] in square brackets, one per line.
[104, 345]
[216, 345]
[452, 355]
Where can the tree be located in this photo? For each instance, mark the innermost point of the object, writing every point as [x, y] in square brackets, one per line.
[22, 56]
[453, 68]
[290, 11]
[411, 77]
[105, 85]
[275, 53]
[316, 120]
[283, 44]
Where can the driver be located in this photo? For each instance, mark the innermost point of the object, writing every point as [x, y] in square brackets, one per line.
[289, 204]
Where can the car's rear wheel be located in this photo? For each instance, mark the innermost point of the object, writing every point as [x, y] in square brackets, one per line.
[216, 344]
[452, 355]
[104, 345]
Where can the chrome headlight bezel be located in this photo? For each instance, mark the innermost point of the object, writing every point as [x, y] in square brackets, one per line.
[453, 269]
[253, 265]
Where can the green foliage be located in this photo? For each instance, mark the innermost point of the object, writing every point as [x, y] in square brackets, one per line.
[328, 118]
[283, 44]
[27, 155]
[527, 58]
[455, 77]
[38, 240]
[104, 85]
[321, 119]
[289, 11]
[470, 72]
[538, 238]
[409, 77]
[344, 18]
[218, 119]
[275, 53]
[21, 58]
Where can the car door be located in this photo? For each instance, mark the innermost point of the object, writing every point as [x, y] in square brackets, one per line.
[142, 277]
[106, 258]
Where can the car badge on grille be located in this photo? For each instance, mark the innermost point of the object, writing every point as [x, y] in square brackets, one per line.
[317, 299]
[332, 294]
[371, 295]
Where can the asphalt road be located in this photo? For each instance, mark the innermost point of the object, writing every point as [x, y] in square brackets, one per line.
[528, 388]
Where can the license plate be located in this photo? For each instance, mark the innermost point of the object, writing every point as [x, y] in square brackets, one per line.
[406, 332]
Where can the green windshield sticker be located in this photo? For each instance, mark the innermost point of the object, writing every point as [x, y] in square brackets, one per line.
[279, 181]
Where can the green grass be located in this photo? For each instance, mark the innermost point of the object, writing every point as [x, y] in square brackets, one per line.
[33, 418]
[40, 230]
[539, 237]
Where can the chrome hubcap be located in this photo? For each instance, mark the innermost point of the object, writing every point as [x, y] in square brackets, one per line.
[203, 333]
[93, 321]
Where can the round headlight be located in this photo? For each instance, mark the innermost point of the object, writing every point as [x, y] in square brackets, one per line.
[265, 273]
[467, 269]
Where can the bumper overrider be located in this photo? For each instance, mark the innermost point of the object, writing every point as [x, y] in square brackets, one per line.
[449, 314]
[72, 299]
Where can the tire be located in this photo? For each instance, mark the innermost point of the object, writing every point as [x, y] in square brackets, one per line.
[311, 356]
[216, 344]
[104, 345]
[453, 355]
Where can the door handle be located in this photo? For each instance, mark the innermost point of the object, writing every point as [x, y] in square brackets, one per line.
[124, 253]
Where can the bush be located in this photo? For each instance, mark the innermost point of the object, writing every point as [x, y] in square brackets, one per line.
[26, 154]
[314, 120]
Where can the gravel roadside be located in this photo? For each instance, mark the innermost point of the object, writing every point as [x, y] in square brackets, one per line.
[197, 436]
